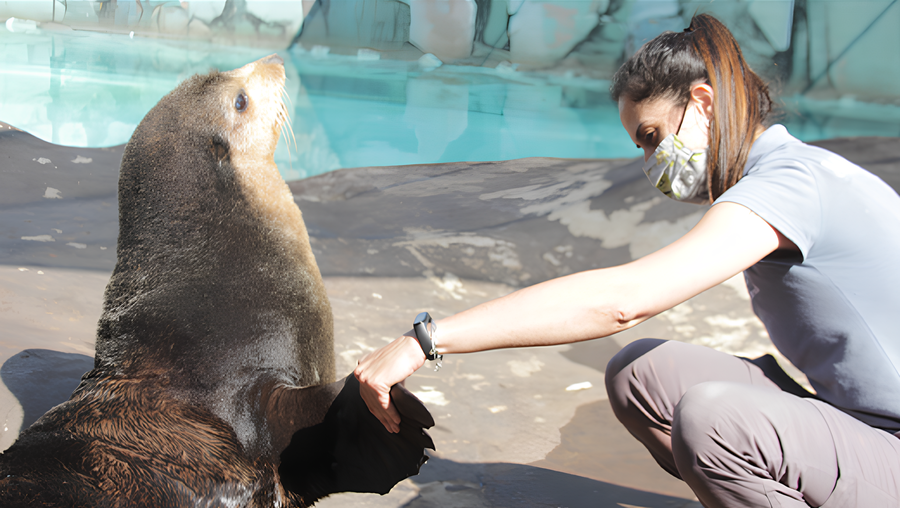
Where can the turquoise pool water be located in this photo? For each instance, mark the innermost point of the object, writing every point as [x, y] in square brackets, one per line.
[91, 89]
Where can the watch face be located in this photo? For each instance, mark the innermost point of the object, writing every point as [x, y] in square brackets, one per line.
[424, 319]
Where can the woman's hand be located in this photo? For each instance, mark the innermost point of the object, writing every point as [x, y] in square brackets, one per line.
[382, 369]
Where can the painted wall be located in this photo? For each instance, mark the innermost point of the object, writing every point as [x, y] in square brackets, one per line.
[826, 49]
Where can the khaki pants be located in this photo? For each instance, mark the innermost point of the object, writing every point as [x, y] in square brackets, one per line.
[741, 433]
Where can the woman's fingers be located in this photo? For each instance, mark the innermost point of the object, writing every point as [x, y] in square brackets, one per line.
[381, 370]
[379, 403]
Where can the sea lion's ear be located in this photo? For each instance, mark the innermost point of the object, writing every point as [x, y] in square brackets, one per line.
[219, 150]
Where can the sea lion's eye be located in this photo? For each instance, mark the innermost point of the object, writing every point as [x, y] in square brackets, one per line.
[240, 102]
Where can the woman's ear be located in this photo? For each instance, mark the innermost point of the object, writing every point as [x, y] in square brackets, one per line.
[702, 95]
[694, 131]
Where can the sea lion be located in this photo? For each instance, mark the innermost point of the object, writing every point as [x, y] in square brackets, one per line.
[213, 376]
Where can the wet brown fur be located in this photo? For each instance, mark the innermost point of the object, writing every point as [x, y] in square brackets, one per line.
[126, 443]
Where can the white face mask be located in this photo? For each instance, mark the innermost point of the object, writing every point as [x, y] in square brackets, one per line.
[676, 170]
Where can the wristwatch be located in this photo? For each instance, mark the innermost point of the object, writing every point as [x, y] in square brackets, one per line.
[425, 329]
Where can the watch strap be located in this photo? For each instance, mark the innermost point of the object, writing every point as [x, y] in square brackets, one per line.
[424, 327]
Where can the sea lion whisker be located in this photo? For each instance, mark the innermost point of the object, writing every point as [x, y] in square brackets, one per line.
[284, 107]
[287, 145]
[290, 137]
[281, 111]
[290, 134]
[285, 112]
[290, 129]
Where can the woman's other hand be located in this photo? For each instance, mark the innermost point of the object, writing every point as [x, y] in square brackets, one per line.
[382, 369]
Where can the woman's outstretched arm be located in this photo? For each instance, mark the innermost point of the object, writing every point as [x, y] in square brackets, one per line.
[585, 305]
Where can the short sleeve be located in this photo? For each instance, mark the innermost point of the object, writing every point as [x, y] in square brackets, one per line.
[784, 193]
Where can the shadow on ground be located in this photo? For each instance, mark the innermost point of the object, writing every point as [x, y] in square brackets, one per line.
[448, 483]
[42, 378]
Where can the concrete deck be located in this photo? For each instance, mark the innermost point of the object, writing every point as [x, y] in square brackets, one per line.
[392, 242]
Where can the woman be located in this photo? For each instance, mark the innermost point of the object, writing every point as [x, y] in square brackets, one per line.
[817, 239]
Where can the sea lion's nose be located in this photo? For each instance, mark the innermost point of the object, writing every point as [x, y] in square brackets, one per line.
[273, 59]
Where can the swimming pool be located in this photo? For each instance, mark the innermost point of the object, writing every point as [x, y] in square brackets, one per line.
[83, 88]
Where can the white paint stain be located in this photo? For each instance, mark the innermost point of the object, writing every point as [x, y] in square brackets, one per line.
[52, 193]
[724, 321]
[615, 230]
[429, 395]
[449, 283]
[42, 160]
[735, 334]
[569, 202]
[729, 334]
[478, 386]
[576, 185]
[550, 258]
[565, 250]
[530, 193]
[77, 245]
[679, 317]
[419, 257]
[58, 231]
[39, 238]
[624, 227]
[522, 368]
[82, 160]
[579, 386]
[499, 251]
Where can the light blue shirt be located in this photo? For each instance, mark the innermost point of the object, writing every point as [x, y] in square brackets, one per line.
[834, 311]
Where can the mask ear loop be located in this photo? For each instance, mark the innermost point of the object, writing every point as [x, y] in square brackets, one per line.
[684, 112]
[683, 115]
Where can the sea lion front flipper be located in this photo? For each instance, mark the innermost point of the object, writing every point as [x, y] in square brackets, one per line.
[414, 416]
[351, 451]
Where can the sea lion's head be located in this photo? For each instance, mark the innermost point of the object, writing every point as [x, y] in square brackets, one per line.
[206, 144]
[209, 233]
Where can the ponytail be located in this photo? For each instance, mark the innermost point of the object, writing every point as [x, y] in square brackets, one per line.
[668, 65]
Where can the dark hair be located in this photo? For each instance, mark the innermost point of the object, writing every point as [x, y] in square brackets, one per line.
[668, 65]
